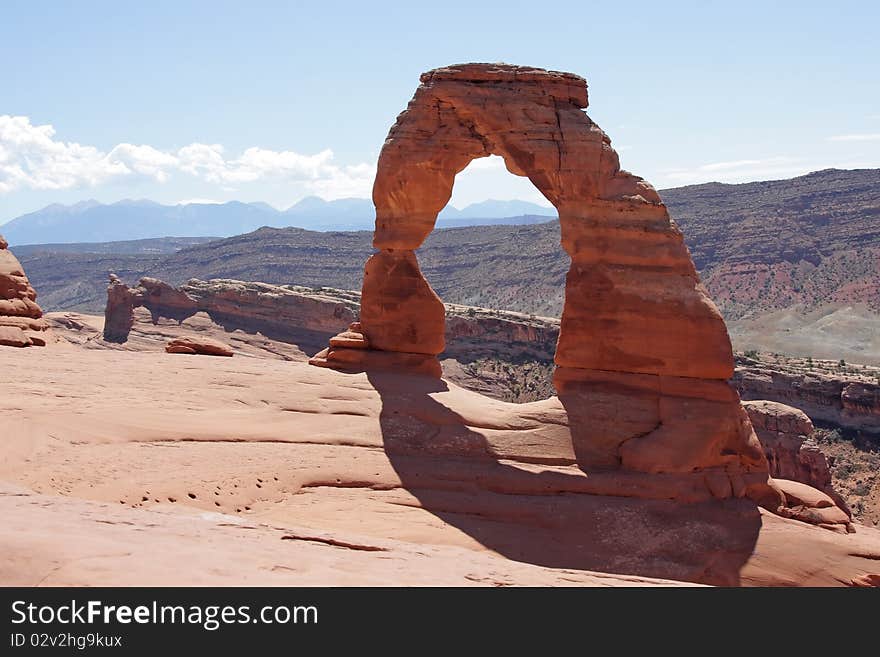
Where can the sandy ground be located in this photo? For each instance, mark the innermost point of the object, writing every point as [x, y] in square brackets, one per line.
[123, 467]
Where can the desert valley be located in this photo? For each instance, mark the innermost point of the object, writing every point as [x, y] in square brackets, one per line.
[638, 388]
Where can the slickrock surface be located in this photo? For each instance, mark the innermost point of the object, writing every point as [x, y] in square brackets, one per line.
[643, 353]
[21, 323]
[111, 545]
[378, 478]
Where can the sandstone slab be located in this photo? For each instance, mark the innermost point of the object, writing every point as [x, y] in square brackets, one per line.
[198, 345]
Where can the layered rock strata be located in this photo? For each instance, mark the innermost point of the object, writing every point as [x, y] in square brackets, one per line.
[832, 398]
[21, 318]
[785, 435]
[287, 313]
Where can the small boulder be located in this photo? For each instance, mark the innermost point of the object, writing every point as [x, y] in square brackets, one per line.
[12, 336]
[807, 504]
[198, 345]
[353, 338]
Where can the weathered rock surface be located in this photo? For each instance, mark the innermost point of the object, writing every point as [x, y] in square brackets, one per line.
[198, 345]
[287, 313]
[643, 354]
[784, 432]
[119, 311]
[298, 315]
[517, 337]
[279, 473]
[21, 323]
[793, 455]
[835, 398]
[805, 503]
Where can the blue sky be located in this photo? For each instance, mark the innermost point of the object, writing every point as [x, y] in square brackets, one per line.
[274, 101]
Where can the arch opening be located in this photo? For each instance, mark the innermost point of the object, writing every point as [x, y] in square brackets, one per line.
[486, 186]
[500, 336]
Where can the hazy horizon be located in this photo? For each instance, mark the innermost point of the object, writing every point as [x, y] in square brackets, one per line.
[264, 104]
[544, 203]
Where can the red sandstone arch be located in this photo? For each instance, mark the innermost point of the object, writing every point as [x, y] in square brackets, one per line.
[633, 300]
[643, 353]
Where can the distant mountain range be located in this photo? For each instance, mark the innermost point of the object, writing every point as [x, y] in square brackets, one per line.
[90, 221]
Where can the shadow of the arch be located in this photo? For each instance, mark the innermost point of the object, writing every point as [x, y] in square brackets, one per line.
[522, 513]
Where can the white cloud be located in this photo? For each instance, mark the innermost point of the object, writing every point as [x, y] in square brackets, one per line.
[144, 160]
[737, 171]
[200, 201]
[354, 180]
[30, 158]
[736, 165]
[872, 136]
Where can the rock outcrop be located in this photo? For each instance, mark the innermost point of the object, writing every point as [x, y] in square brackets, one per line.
[643, 354]
[198, 345]
[834, 398]
[784, 432]
[21, 323]
[807, 504]
[119, 311]
[286, 313]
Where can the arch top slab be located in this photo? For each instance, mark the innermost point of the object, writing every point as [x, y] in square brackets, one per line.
[532, 118]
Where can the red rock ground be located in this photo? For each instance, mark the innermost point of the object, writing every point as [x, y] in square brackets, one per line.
[140, 467]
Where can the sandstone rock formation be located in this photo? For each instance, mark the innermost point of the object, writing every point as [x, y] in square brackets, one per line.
[834, 398]
[287, 313]
[643, 355]
[298, 315]
[805, 503]
[119, 312]
[784, 433]
[198, 345]
[21, 323]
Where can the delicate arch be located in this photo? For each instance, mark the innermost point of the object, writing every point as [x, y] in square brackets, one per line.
[633, 302]
[643, 354]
